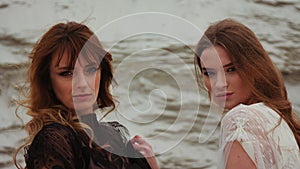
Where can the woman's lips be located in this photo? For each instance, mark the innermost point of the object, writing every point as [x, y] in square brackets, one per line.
[82, 97]
[224, 96]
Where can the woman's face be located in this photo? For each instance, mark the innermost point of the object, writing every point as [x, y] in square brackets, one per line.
[225, 86]
[77, 88]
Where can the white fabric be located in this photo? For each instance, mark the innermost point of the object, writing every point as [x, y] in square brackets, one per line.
[266, 138]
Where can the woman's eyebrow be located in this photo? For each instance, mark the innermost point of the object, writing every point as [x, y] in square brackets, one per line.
[228, 65]
[204, 69]
[224, 66]
[92, 64]
[65, 68]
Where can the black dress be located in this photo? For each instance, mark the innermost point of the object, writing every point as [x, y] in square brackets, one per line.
[58, 146]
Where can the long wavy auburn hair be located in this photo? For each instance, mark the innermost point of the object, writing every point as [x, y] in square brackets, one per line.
[39, 98]
[254, 65]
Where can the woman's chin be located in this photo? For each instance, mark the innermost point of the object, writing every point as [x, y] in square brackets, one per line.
[226, 106]
[83, 108]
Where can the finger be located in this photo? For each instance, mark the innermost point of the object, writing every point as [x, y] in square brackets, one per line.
[141, 150]
[138, 148]
[145, 150]
[138, 139]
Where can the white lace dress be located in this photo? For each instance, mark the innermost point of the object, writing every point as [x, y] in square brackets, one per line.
[268, 141]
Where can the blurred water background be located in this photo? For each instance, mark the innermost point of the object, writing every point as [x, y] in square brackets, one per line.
[158, 95]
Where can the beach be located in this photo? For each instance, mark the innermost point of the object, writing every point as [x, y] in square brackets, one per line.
[152, 44]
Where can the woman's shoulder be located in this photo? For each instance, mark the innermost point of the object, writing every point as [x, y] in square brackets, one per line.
[114, 124]
[55, 135]
[54, 132]
[92, 121]
[119, 128]
[244, 107]
[254, 117]
[252, 111]
[55, 128]
[56, 142]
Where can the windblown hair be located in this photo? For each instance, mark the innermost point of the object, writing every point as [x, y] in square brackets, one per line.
[76, 40]
[254, 67]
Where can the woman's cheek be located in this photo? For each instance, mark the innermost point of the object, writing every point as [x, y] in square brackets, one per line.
[207, 84]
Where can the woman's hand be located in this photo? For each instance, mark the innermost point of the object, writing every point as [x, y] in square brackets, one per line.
[140, 145]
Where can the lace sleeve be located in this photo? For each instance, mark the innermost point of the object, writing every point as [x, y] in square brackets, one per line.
[104, 130]
[55, 146]
[117, 137]
[253, 131]
[137, 160]
[122, 130]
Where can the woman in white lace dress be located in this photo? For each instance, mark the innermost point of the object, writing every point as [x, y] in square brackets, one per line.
[259, 129]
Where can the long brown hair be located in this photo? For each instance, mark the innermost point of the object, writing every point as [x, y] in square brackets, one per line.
[254, 65]
[40, 100]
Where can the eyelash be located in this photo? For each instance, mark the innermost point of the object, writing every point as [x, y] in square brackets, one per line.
[88, 71]
[91, 70]
[66, 73]
[208, 73]
[212, 73]
[231, 69]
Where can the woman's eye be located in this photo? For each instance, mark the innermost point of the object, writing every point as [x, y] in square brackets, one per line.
[66, 74]
[92, 70]
[209, 73]
[232, 69]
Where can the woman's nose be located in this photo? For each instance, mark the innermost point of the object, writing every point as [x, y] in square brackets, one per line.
[221, 81]
[79, 80]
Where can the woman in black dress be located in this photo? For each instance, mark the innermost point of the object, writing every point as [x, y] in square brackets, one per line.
[69, 79]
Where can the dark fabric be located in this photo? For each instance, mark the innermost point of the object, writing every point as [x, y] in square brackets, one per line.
[57, 146]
